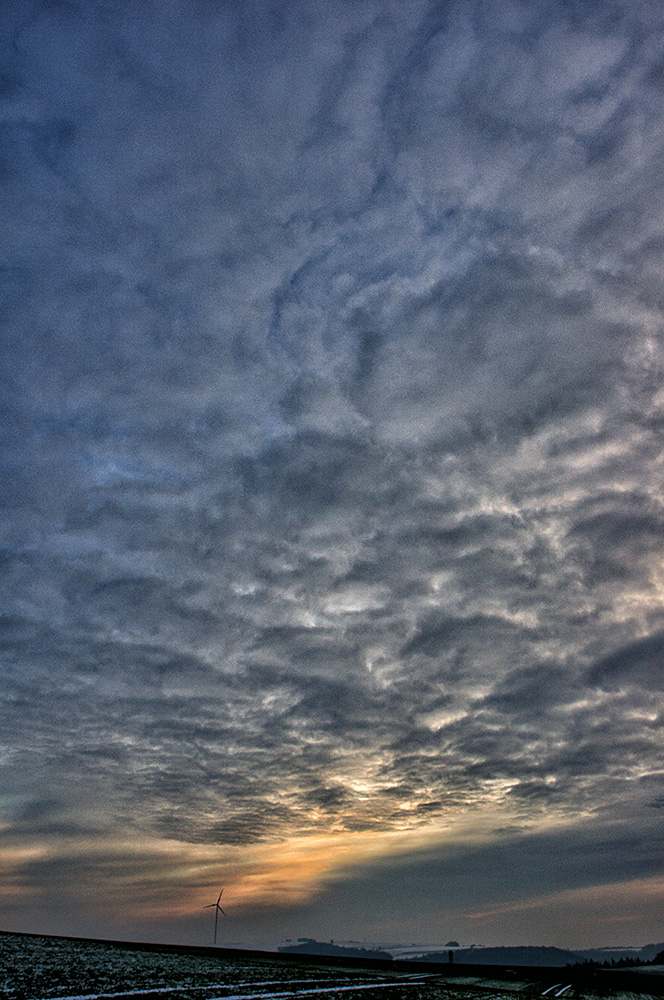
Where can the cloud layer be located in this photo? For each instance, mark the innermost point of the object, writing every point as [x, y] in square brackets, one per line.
[332, 461]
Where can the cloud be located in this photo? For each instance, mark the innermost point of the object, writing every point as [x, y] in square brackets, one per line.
[639, 664]
[331, 421]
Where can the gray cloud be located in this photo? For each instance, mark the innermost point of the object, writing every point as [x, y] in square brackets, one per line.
[639, 663]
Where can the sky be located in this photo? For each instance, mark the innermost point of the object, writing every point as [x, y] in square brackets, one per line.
[331, 469]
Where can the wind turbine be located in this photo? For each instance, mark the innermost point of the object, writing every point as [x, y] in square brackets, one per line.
[217, 911]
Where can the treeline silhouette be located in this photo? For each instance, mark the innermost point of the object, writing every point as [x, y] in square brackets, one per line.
[617, 963]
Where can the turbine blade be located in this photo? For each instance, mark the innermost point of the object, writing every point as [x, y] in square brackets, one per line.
[219, 897]
[224, 912]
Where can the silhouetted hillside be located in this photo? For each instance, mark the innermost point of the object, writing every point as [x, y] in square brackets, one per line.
[525, 955]
[312, 947]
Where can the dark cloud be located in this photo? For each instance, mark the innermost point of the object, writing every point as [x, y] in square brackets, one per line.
[640, 663]
[436, 633]
[518, 866]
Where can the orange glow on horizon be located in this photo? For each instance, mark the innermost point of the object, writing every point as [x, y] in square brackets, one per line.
[173, 879]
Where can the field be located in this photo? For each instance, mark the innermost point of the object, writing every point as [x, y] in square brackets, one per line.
[45, 968]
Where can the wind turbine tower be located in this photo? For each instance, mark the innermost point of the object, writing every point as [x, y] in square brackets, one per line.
[217, 911]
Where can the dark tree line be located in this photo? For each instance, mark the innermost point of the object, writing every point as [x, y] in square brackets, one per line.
[617, 963]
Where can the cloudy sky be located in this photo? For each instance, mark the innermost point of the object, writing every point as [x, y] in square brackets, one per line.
[332, 521]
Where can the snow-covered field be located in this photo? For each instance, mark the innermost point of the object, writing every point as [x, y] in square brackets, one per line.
[43, 968]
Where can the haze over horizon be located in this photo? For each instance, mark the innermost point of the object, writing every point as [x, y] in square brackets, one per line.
[332, 467]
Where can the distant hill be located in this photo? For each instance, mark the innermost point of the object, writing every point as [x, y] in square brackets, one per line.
[645, 954]
[501, 955]
[309, 946]
[651, 951]
[525, 955]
